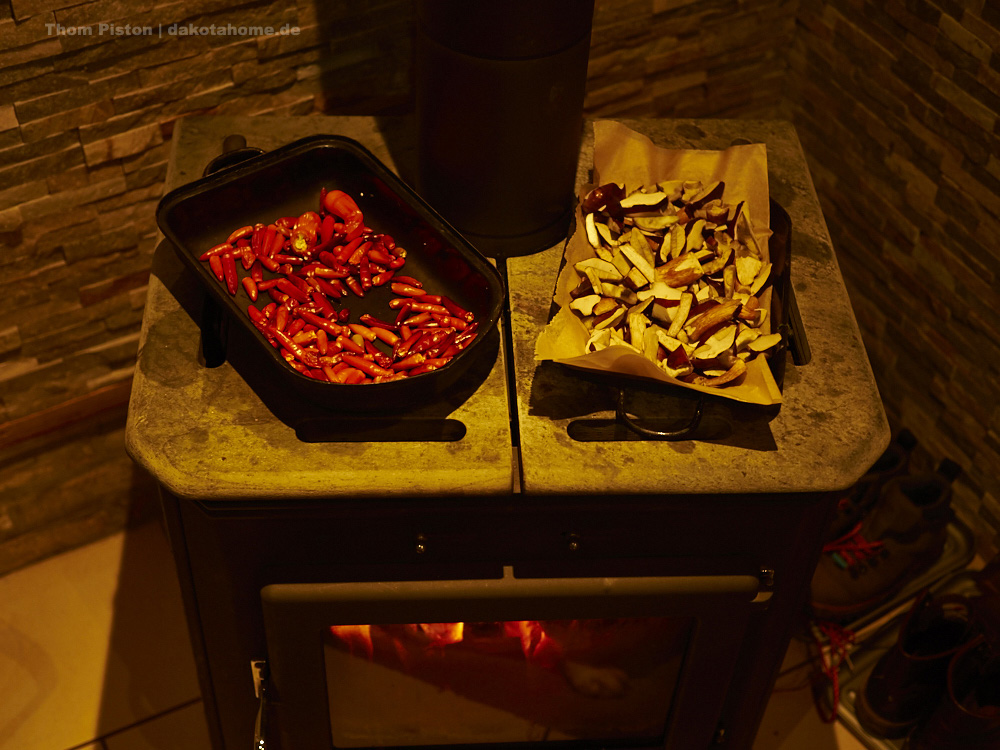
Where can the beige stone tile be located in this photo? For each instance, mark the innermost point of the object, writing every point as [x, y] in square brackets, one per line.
[791, 721]
[184, 728]
[92, 641]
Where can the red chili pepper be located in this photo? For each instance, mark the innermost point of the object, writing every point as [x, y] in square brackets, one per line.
[330, 260]
[372, 322]
[382, 278]
[411, 281]
[430, 341]
[325, 272]
[327, 325]
[420, 319]
[378, 255]
[239, 234]
[438, 350]
[281, 318]
[449, 321]
[250, 287]
[409, 361]
[352, 376]
[464, 339]
[429, 308]
[355, 286]
[404, 310]
[304, 356]
[322, 342]
[369, 368]
[455, 310]
[361, 251]
[404, 346]
[360, 330]
[321, 302]
[229, 269]
[292, 290]
[326, 228]
[364, 270]
[340, 204]
[225, 247]
[350, 344]
[384, 334]
[215, 263]
[404, 289]
[428, 366]
[304, 336]
[276, 245]
[380, 357]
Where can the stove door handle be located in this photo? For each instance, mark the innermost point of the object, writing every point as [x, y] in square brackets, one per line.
[259, 669]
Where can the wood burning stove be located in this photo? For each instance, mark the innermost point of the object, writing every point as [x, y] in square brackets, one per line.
[507, 565]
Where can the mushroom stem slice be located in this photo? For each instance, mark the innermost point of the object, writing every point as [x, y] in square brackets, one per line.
[739, 368]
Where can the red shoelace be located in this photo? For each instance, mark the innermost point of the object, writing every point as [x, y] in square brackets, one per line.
[852, 548]
[833, 643]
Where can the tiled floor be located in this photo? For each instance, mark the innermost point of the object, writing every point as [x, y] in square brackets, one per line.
[94, 655]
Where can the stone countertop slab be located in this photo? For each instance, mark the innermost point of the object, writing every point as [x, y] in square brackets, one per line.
[830, 428]
[205, 434]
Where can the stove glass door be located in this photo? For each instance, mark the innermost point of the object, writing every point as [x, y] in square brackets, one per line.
[512, 681]
[592, 662]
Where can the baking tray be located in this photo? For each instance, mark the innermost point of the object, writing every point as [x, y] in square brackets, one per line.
[287, 182]
[785, 320]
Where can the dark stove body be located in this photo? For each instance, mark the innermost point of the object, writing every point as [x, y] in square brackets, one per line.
[278, 533]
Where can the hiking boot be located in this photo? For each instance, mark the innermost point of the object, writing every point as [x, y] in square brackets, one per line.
[902, 536]
[968, 717]
[909, 680]
[862, 496]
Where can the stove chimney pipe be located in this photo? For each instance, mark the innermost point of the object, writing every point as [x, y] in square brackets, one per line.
[499, 100]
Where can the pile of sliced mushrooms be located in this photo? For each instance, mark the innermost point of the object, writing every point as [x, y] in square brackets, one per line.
[678, 276]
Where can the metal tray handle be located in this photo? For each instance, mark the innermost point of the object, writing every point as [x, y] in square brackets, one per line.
[645, 432]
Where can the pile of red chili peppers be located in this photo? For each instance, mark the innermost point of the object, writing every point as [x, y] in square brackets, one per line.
[321, 257]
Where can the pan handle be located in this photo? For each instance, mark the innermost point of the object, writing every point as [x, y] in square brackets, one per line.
[645, 432]
[234, 151]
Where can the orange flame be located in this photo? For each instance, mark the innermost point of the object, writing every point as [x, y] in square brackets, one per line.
[529, 632]
[357, 637]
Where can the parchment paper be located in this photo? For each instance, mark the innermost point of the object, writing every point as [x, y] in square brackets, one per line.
[621, 155]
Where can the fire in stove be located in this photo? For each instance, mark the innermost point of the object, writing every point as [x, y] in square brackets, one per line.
[506, 681]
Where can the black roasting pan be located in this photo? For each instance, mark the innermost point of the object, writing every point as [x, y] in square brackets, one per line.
[287, 182]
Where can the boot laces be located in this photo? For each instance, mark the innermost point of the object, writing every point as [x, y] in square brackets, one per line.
[834, 644]
[853, 550]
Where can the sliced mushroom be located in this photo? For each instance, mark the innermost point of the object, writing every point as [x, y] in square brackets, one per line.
[585, 305]
[739, 368]
[680, 271]
[604, 270]
[720, 313]
[639, 261]
[681, 314]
